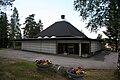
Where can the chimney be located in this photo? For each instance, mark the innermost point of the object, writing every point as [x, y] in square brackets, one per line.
[62, 16]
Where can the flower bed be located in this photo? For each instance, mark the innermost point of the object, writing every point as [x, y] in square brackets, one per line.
[76, 72]
[72, 73]
[43, 64]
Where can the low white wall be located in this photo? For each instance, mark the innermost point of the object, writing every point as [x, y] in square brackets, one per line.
[40, 46]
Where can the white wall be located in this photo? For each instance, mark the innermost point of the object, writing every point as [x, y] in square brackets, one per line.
[40, 46]
[95, 46]
[50, 46]
[32, 46]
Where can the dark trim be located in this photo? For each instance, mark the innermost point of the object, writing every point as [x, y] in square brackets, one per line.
[37, 39]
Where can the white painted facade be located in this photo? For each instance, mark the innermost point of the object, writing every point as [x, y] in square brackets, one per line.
[50, 46]
[40, 46]
[95, 46]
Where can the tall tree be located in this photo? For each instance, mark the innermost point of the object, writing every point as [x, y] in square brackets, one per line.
[5, 3]
[14, 28]
[99, 13]
[118, 2]
[3, 30]
[112, 34]
[40, 25]
[99, 37]
[31, 27]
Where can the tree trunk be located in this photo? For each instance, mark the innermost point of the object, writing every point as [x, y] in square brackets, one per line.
[118, 35]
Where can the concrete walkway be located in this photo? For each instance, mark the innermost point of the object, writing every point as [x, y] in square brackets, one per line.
[104, 60]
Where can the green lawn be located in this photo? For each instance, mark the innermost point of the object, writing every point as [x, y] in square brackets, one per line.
[100, 75]
[15, 69]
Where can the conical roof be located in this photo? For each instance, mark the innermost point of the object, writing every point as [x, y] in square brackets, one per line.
[61, 29]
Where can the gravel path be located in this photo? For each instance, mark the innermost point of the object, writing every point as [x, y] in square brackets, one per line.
[104, 60]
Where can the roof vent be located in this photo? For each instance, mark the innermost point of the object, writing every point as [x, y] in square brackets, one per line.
[62, 16]
[39, 37]
[46, 37]
[53, 36]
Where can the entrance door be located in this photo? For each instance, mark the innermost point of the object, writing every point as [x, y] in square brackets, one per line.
[61, 48]
[85, 48]
[70, 48]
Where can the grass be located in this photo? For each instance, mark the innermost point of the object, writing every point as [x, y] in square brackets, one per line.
[15, 69]
[2, 48]
[100, 75]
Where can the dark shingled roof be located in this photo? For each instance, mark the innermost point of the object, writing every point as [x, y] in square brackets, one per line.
[61, 29]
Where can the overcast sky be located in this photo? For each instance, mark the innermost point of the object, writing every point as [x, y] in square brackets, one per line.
[50, 11]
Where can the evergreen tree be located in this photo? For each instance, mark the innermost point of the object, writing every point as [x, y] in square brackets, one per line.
[3, 30]
[99, 37]
[5, 3]
[112, 24]
[112, 35]
[31, 27]
[40, 25]
[14, 28]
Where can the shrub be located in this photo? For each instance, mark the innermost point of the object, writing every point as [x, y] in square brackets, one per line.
[117, 72]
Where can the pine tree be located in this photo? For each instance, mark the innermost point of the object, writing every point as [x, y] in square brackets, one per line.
[40, 25]
[3, 30]
[14, 28]
[112, 34]
[5, 3]
[31, 27]
[99, 37]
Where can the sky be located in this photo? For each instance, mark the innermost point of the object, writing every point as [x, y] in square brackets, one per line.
[50, 11]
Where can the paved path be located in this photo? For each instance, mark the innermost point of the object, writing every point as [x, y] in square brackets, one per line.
[104, 60]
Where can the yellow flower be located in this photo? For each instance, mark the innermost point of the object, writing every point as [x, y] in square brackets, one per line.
[78, 72]
[84, 72]
[76, 69]
[45, 63]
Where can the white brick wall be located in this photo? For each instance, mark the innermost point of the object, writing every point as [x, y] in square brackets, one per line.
[95, 46]
[50, 46]
[40, 46]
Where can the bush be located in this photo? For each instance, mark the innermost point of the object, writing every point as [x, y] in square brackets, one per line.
[117, 72]
[59, 69]
[62, 71]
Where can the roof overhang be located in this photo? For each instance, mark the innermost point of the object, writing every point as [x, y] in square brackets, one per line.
[62, 38]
